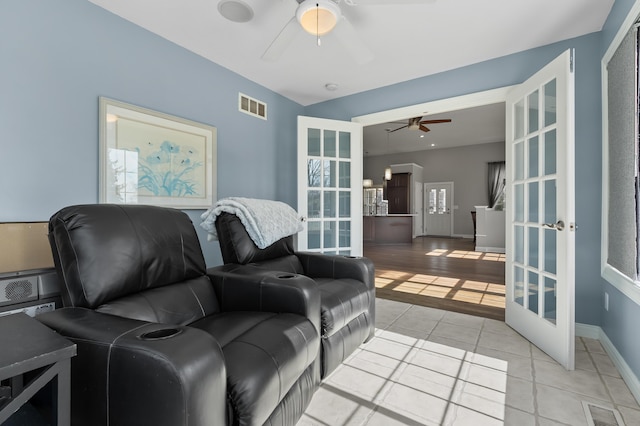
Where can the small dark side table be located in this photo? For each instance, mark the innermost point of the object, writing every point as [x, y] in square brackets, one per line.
[27, 345]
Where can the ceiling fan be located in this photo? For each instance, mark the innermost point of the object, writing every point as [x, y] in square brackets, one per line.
[416, 123]
[319, 17]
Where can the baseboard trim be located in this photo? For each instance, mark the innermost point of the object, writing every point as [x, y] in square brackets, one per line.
[491, 249]
[588, 330]
[467, 236]
[596, 332]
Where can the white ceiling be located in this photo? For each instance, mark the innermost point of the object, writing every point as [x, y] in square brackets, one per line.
[406, 41]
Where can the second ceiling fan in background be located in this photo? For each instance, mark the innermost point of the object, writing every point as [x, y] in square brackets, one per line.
[417, 123]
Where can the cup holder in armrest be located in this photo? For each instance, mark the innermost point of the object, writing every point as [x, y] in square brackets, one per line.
[164, 333]
[287, 276]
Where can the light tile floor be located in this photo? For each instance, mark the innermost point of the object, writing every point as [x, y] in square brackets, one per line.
[432, 367]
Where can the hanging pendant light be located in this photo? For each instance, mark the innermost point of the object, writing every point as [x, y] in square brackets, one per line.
[387, 173]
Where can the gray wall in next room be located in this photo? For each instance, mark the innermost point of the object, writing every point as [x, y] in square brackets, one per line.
[465, 166]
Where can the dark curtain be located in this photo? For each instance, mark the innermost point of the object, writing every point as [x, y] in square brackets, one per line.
[496, 181]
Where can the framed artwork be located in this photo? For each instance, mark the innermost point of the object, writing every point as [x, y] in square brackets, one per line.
[147, 157]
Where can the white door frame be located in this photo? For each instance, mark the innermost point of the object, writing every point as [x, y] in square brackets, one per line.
[471, 100]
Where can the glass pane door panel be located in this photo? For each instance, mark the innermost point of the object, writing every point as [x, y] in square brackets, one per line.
[550, 299]
[345, 145]
[519, 244]
[518, 118]
[534, 247]
[313, 142]
[313, 204]
[442, 201]
[533, 111]
[344, 174]
[533, 292]
[313, 172]
[518, 284]
[432, 201]
[550, 103]
[330, 204]
[329, 234]
[550, 152]
[519, 202]
[550, 212]
[313, 235]
[344, 203]
[329, 173]
[533, 202]
[344, 234]
[519, 161]
[550, 243]
[329, 143]
[533, 157]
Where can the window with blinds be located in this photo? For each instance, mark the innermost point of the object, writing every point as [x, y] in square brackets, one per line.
[622, 151]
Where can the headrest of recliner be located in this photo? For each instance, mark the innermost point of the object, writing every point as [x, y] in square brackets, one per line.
[237, 246]
[106, 251]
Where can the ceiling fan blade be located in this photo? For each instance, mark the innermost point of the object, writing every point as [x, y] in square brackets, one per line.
[391, 131]
[351, 40]
[282, 41]
[435, 121]
[424, 129]
[386, 2]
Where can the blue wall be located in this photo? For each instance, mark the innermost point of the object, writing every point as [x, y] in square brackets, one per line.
[58, 57]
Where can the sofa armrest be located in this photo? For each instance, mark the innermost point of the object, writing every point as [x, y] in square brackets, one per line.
[249, 288]
[130, 372]
[317, 265]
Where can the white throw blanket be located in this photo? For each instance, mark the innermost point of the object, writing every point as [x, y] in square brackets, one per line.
[266, 221]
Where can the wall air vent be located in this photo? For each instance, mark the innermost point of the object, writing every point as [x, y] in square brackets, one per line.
[252, 106]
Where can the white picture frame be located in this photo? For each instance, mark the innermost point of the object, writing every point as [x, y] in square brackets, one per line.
[148, 157]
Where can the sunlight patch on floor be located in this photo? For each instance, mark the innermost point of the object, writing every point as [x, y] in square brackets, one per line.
[468, 291]
[398, 379]
[462, 254]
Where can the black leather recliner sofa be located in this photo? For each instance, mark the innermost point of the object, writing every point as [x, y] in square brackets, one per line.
[346, 284]
[163, 341]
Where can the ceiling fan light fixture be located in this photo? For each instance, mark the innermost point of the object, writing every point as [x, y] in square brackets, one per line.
[318, 17]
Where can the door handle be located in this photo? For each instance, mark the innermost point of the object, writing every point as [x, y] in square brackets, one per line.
[559, 225]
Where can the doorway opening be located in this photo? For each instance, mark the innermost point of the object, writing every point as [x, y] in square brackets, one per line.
[440, 268]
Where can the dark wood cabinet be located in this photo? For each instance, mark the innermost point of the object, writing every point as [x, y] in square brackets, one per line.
[387, 229]
[368, 228]
[397, 193]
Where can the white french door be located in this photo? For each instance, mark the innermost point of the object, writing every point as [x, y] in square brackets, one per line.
[540, 234]
[330, 185]
[438, 219]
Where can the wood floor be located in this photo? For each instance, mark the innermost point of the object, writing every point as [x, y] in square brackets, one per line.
[444, 273]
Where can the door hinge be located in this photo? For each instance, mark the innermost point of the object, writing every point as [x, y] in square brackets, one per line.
[572, 60]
